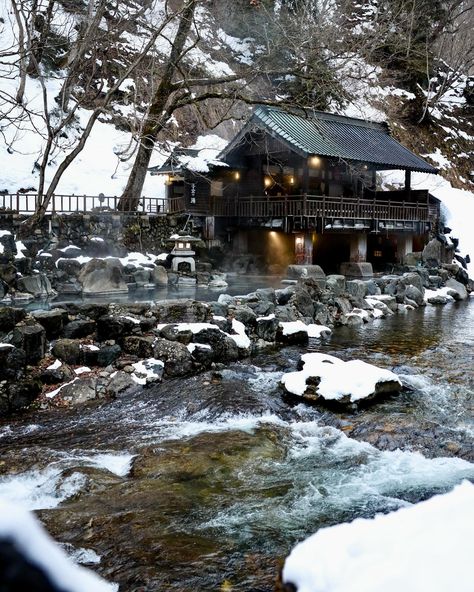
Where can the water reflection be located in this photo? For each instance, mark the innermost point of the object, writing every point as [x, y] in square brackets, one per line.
[237, 285]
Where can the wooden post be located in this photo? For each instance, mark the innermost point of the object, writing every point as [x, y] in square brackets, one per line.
[305, 184]
[408, 184]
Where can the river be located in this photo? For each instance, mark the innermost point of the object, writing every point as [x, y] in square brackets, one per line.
[206, 483]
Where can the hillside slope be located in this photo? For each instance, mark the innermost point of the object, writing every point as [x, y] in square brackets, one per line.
[359, 87]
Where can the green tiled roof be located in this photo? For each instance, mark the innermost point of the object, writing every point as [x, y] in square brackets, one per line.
[324, 134]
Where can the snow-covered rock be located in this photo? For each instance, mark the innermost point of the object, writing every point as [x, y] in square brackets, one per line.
[439, 296]
[31, 547]
[326, 378]
[148, 371]
[427, 546]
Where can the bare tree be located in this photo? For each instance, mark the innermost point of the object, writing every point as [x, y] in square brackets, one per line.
[288, 63]
[83, 87]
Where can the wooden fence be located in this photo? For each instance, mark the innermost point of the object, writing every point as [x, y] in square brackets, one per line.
[310, 206]
[324, 207]
[26, 203]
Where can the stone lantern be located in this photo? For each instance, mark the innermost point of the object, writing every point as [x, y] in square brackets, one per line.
[183, 252]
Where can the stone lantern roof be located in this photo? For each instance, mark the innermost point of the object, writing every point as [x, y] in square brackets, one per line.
[183, 244]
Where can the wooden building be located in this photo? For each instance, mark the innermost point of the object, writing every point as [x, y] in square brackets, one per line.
[301, 187]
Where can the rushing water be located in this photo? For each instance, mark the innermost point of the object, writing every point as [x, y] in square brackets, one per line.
[205, 483]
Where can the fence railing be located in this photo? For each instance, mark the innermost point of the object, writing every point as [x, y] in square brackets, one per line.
[315, 206]
[323, 207]
[26, 203]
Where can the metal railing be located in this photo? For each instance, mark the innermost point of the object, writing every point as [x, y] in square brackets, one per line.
[26, 203]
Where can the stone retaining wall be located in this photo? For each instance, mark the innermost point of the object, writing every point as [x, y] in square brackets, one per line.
[138, 232]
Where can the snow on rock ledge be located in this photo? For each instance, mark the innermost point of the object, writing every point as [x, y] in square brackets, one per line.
[426, 546]
[31, 547]
[326, 378]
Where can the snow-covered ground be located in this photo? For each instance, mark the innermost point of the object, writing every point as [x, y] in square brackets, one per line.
[458, 207]
[427, 546]
[102, 166]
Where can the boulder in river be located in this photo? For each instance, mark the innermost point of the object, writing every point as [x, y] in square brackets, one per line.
[37, 285]
[181, 311]
[68, 351]
[175, 355]
[79, 328]
[223, 347]
[326, 379]
[457, 290]
[102, 276]
[32, 339]
[52, 320]
[12, 362]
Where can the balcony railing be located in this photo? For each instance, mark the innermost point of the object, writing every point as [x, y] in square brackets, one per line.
[312, 206]
[26, 203]
[387, 207]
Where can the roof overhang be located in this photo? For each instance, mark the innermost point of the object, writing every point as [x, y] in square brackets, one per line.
[332, 136]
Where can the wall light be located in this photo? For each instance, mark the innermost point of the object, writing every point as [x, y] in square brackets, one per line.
[267, 182]
[237, 176]
[292, 180]
[315, 161]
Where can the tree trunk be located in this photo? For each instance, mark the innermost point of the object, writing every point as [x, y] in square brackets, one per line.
[157, 117]
[132, 192]
[22, 52]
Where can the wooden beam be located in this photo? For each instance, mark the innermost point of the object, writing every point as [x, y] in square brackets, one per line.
[305, 183]
[408, 181]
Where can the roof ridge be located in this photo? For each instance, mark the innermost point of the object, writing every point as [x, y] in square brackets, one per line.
[314, 114]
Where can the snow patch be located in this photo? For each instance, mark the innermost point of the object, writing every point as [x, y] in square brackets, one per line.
[421, 547]
[339, 379]
[34, 542]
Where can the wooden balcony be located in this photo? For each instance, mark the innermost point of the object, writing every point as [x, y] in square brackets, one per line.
[313, 206]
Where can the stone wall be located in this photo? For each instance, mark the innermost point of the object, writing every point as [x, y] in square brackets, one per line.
[139, 232]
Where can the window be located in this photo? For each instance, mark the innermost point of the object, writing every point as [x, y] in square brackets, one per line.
[217, 188]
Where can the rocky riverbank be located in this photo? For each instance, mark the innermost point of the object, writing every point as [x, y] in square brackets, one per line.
[79, 353]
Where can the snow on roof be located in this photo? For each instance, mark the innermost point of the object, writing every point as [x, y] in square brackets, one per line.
[427, 546]
[197, 158]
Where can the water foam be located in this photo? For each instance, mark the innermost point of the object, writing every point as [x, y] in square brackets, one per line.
[328, 477]
[41, 489]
